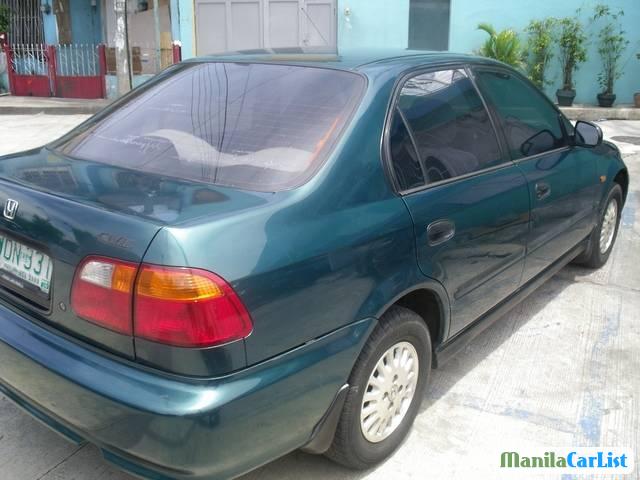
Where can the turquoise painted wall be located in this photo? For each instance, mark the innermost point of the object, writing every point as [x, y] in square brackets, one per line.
[466, 14]
[86, 24]
[50, 27]
[183, 15]
[385, 23]
[373, 23]
[174, 11]
[4, 83]
[112, 84]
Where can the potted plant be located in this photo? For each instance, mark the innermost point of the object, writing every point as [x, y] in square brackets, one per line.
[611, 46]
[539, 49]
[571, 41]
[504, 46]
[5, 15]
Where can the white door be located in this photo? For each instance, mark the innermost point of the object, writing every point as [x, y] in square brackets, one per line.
[319, 20]
[282, 21]
[230, 25]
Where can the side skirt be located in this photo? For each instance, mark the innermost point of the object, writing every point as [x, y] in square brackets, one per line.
[452, 346]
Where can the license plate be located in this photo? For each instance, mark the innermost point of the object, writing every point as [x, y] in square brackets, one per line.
[20, 264]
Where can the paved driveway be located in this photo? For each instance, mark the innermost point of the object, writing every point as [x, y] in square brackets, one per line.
[559, 370]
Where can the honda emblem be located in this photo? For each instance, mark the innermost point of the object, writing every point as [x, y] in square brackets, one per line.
[10, 209]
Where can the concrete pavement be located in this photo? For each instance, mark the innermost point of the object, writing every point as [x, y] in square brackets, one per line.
[594, 113]
[10, 105]
[559, 370]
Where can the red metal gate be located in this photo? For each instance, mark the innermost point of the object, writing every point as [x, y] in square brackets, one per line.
[79, 71]
[28, 68]
[69, 71]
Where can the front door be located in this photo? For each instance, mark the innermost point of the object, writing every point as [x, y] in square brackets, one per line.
[562, 181]
[469, 203]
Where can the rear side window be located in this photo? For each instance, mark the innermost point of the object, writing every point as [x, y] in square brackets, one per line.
[254, 126]
[530, 124]
[451, 128]
[406, 164]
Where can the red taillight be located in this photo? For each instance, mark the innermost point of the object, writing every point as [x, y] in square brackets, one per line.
[185, 307]
[102, 292]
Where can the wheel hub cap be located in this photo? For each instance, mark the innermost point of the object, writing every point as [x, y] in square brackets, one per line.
[608, 229]
[389, 392]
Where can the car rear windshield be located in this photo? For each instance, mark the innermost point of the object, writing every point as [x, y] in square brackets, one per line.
[255, 126]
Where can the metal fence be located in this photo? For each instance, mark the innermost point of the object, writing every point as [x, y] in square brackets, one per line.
[77, 60]
[29, 59]
[26, 21]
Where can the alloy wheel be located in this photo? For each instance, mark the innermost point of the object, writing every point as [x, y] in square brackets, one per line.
[389, 392]
[608, 229]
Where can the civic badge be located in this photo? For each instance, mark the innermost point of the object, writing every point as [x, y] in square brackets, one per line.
[10, 209]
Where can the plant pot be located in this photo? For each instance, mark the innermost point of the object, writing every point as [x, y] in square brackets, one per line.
[565, 97]
[606, 99]
[636, 99]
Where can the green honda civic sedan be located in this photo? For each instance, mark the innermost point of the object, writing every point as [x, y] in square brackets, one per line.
[261, 252]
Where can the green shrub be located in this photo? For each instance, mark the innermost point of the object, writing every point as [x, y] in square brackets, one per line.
[571, 40]
[504, 46]
[5, 15]
[539, 50]
[612, 44]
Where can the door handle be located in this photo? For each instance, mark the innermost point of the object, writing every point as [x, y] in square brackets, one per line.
[440, 231]
[543, 190]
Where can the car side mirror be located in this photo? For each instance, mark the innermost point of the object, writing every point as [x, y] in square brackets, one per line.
[587, 134]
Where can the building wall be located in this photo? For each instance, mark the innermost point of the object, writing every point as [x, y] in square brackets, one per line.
[86, 22]
[385, 23]
[183, 17]
[111, 82]
[373, 23]
[464, 37]
[50, 27]
[4, 78]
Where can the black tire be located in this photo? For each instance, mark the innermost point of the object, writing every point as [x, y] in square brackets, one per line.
[594, 257]
[350, 447]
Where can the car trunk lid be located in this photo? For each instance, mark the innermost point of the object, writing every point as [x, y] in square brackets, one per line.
[58, 220]
[68, 209]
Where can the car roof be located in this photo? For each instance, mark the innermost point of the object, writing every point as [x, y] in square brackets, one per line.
[345, 59]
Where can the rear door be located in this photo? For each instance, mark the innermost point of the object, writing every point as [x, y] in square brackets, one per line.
[561, 182]
[469, 203]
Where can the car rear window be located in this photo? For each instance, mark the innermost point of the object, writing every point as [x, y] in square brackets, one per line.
[260, 127]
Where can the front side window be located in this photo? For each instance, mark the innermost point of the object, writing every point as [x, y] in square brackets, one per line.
[260, 127]
[451, 128]
[530, 124]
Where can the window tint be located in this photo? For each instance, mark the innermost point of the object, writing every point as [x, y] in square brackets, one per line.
[451, 128]
[406, 164]
[531, 125]
[254, 126]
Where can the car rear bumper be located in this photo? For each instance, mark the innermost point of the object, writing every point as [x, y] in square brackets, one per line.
[159, 426]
